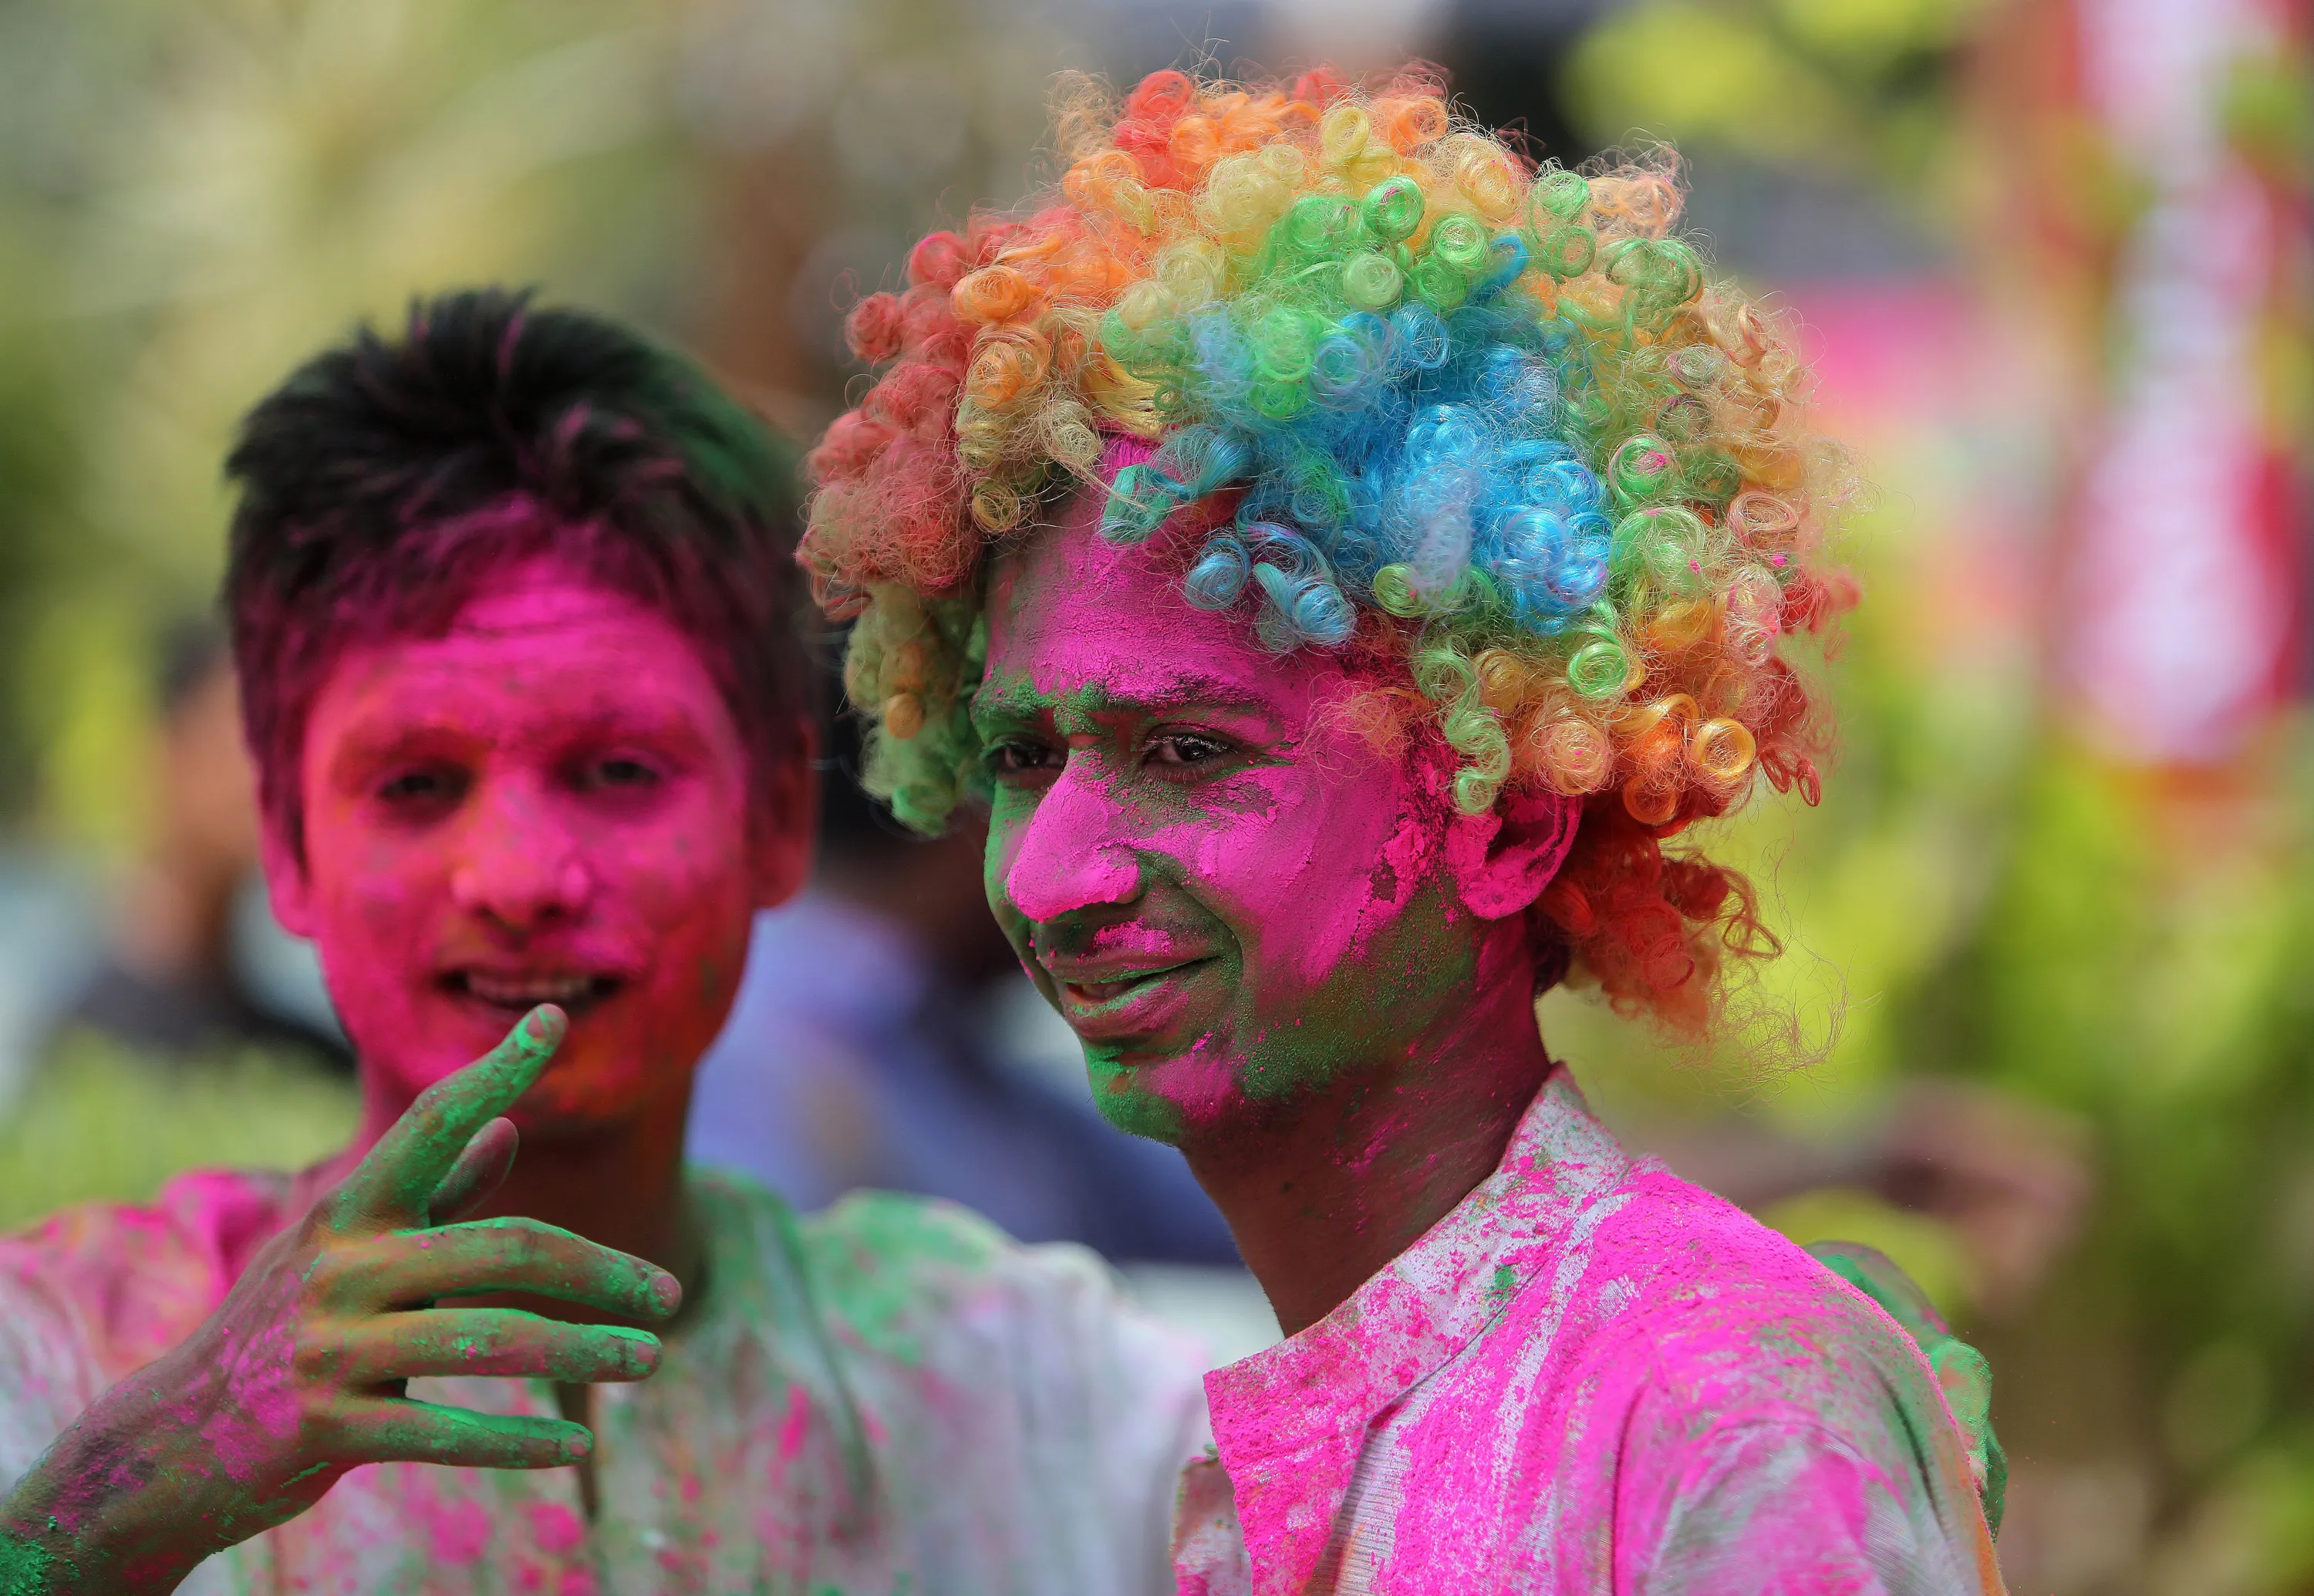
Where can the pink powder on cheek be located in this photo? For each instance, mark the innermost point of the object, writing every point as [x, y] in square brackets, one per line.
[1071, 613]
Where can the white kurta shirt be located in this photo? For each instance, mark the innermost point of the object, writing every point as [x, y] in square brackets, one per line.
[887, 1399]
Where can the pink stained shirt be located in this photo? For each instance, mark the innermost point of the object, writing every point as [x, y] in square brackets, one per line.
[1589, 1378]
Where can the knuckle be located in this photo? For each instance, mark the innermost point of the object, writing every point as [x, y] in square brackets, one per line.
[319, 1357]
[325, 1276]
[431, 1115]
[322, 1431]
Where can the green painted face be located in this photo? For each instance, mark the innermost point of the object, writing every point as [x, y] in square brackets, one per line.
[1231, 896]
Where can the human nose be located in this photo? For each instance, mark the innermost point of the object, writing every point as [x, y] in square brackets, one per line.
[518, 865]
[1070, 854]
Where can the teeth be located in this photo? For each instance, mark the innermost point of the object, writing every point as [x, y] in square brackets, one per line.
[564, 989]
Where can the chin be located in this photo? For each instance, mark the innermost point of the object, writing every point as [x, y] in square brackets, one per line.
[580, 1121]
[1174, 1096]
[601, 1078]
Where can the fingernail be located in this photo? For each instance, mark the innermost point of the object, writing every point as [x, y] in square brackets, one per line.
[542, 1026]
[667, 1292]
[575, 1447]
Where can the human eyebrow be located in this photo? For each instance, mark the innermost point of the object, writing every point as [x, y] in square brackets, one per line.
[363, 750]
[1175, 692]
[668, 727]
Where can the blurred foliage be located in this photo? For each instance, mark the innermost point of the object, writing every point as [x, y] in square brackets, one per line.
[1819, 80]
[2004, 906]
[194, 197]
[105, 1124]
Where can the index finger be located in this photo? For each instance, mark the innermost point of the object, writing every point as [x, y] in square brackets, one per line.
[394, 1183]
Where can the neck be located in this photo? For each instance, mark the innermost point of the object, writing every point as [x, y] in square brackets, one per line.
[1322, 1197]
[619, 1185]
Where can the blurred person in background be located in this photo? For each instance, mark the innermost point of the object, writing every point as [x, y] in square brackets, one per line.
[177, 1025]
[174, 981]
[510, 604]
[872, 1044]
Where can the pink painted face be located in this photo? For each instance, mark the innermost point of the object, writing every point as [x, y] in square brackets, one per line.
[549, 803]
[1230, 894]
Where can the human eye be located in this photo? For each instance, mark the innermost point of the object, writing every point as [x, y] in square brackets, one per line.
[619, 771]
[617, 776]
[1178, 753]
[418, 792]
[1018, 760]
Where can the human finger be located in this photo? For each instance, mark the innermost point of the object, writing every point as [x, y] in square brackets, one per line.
[394, 1184]
[396, 1430]
[409, 1267]
[494, 1341]
[480, 1170]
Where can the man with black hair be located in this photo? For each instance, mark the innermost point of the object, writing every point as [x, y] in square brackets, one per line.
[511, 600]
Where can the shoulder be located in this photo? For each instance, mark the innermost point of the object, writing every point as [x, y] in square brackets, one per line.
[1731, 1337]
[910, 1279]
[132, 1280]
[1756, 1388]
[903, 1274]
[1761, 1504]
[1733, 1313]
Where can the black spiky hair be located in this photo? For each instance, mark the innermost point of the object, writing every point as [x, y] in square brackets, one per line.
[389, 478]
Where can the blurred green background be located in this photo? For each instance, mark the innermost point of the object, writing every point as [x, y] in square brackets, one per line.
[2052, 922]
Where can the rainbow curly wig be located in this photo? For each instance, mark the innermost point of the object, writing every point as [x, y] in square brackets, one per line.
[1488, 422]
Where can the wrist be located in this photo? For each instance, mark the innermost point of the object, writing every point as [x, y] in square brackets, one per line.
[101, 1511]
[45, 1553]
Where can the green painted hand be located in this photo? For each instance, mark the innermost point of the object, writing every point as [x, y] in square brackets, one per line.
[1961, 1370]
[299, 1375]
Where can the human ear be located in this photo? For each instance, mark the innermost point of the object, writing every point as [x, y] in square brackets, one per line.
[1502, 860]
[287, 887]
[784, 822]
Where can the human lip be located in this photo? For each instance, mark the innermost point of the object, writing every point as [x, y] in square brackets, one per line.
[1113, 997]
[517, 990]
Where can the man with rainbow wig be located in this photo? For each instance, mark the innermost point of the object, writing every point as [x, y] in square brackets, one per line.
[1346, 557]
